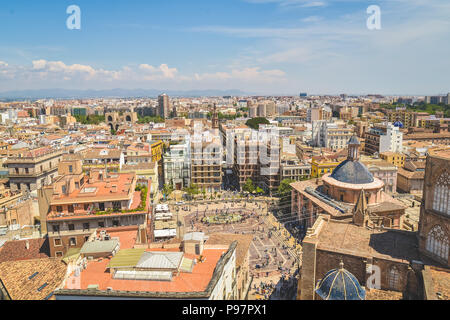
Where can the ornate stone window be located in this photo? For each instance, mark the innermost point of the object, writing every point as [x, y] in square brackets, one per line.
[441, 199]
[393, 278]
[437, 242]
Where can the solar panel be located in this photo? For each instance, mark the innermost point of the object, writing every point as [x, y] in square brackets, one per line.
[42, 287]
[49, 296]
[143, 275]
[33, 275]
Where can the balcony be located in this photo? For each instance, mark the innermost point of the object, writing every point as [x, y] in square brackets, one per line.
[32, 173]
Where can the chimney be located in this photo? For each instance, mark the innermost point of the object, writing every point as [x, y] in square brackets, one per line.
[27, 245]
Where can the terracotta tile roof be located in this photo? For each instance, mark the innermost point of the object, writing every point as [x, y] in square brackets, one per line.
[410, 174]
[441, 152]
[103, 190]
[16, 250]
[426, 135]
[351, 239]
[197, 281]
[441, 282]
[15, 275]
[139, 166]
[385, 206]
[244, 242]
[374, 294]
[127, 235]
[103, 154]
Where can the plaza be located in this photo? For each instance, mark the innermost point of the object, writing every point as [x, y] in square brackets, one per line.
[275, 256]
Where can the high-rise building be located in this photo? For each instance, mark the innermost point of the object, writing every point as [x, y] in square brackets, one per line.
[163, 109]
[261, 110]
[253, 111]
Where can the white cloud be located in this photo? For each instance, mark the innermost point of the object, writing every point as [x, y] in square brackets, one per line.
[59, 67]
[157, 72]
[51, 74]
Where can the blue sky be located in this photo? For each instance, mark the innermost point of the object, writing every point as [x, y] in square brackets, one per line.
[258, 46]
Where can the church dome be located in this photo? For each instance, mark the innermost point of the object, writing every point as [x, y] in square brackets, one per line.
[353, 172]
[398, 124]
[339, 284]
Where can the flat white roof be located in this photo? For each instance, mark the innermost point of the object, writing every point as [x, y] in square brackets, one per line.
[165, 233]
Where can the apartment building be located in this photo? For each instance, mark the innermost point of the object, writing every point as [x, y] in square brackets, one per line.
[270, 149]
[270, 169]
[407, 118]
[32, 169]
[372, 139]
[163, 109]
[321, 165]
[438, 99]
[294, 169]
[206, 163]
[392, 140]
[383, 170]
[395, 158]
[16, 210]
[177, 165]
[133, 273]
[100, 158]
[318, 113]
[77, 204]
[246, 157]
[337, 136]
[410, 178]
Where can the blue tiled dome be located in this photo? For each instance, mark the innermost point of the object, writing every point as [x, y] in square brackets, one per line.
[398, 124]
[353, 172]
[339, 284]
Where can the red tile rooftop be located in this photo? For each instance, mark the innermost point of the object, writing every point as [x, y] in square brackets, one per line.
[96, 274]
[127, 235]
[101, 190]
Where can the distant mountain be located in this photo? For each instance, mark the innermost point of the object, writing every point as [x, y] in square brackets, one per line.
[113, 93]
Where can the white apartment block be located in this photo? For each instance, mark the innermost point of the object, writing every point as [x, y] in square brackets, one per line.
[392, 140]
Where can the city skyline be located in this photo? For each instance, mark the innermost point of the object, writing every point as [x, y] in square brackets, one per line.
[270, 47]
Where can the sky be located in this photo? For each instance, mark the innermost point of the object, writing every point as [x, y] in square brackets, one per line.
[256, 46]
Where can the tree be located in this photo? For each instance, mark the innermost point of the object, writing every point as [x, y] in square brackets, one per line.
[285, 187]
[192, 189]
[249, 186]
[255, 122]
[167, 189]
[148, 119]
[284, 193]
[90, 119]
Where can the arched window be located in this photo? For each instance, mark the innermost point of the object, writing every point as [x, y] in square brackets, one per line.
[441, 200]
[393, 278]
[437, 242]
